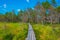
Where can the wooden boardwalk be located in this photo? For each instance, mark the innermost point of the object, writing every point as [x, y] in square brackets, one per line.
[31, 35]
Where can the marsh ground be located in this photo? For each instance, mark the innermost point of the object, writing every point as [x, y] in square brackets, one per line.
[47, 32]
[13, 31]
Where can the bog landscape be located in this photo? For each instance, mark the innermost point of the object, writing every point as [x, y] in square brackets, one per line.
[38, 22]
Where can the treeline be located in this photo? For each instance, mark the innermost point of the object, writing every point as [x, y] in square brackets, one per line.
[41, 13]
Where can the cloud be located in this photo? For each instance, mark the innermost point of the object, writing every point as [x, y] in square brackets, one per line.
[18, 10]
[27, 1]
[32, 8]
[4, 5]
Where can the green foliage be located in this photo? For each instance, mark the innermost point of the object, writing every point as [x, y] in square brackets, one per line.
[8, 37]
[53, 1]
[13, 31]
[46, 32]
[46, 4]
[58, 9]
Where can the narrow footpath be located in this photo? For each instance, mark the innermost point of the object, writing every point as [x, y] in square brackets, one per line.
[31, 34]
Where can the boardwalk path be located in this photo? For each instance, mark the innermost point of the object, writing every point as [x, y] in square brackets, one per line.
[31, 35]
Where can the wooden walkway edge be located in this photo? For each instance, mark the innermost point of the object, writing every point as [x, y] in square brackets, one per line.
[31, 34]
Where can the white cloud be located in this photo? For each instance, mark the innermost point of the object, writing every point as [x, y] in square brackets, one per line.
[18, 10]
[27, 1]
[4, 5]
[32, 8]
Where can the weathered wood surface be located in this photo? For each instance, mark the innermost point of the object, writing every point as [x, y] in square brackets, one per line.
[31, 35]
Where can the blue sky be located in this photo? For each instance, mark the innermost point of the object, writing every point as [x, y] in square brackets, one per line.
[8, 5]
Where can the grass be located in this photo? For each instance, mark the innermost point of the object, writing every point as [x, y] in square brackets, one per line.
[47, 32]
[13, 31]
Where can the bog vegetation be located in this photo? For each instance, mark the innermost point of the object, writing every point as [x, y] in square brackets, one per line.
[13, 31]
[47, 32]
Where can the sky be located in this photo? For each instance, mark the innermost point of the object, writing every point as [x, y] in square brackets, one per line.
[17, 5]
